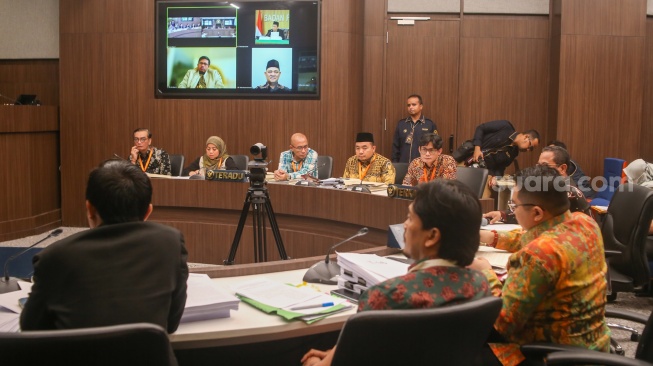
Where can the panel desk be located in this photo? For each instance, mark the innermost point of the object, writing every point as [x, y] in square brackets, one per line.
[30, 192]
[310, 220]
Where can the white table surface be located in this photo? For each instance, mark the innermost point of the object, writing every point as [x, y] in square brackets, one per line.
[251, 325]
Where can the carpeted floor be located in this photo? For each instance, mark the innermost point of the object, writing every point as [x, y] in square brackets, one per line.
[642, 305]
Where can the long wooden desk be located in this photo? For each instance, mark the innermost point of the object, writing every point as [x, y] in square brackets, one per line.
[310, 219]
[249, 325]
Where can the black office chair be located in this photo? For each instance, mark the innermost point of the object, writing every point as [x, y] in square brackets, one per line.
[127, 344]
[643, 355]
[176, 164]
[448, 335]
[324, 166]
[241, 161]
[625, 229]
[401, 169]
[474, 178]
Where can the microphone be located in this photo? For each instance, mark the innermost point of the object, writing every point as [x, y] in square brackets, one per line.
[118, 156]
[451, 143]
[308, 179]
[9, 284]
[323, 272]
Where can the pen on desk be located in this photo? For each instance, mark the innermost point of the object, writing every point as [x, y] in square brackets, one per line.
[321, 305]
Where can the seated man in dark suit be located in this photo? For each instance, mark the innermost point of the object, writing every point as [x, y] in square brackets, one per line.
[123, 270]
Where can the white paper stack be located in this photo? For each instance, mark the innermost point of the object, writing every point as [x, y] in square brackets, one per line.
[360, 271]
[207, 300]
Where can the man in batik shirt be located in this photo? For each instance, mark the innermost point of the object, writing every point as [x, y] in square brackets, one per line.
[431, 163]
[441, 236]
[367, 165]
[555, 290]
[299, 160]
[149, 158]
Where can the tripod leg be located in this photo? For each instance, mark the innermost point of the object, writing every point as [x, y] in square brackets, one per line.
[256, 227]
[264, 233]
[239, 230]
[275, 228]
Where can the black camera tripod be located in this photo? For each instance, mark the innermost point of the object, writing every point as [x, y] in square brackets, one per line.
[259, 199]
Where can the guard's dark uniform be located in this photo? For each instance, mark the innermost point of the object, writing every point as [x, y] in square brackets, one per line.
[405, 144]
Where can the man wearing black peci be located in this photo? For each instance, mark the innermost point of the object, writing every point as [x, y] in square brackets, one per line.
[123, 270]
[272, 74]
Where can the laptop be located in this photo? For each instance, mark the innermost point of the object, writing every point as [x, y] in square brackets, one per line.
[274, 35]
[25, 99]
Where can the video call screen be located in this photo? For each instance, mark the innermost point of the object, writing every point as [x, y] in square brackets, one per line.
[240, 49]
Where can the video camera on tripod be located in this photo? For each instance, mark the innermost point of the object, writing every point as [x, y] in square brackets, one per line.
[258, 167]
[258, 200]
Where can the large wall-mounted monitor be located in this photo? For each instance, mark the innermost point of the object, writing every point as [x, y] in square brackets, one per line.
[238, 49]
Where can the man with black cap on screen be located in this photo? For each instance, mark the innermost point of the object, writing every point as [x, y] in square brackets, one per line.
[367, 165]
[272, 75]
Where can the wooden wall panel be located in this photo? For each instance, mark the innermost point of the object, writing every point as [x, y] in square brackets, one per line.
[646, 147]
[111, 93]
[81, 16]
[555, 16]
[83, 128]
[374, 39]
[40, 77]
[29, 143]
[600, 105]
[504, 76]
[29, 185]
[422, 59]
[604, 17]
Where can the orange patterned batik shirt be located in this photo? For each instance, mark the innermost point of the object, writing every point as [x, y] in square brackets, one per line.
[555, 290]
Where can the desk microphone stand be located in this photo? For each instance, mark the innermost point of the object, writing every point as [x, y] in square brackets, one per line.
[259, 200]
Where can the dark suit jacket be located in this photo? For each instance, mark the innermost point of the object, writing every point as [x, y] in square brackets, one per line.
[113, 274]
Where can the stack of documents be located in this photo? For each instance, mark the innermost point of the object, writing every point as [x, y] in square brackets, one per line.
[289, 302]
[360, 271]
[207, 300]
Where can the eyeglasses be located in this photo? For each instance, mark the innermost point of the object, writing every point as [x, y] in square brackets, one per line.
[305, 147]
[275, 72]
[426, 150]
[142, 139]
[512, 206]
[202, 63]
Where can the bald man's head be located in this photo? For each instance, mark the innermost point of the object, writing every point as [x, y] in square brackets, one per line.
[299, 146]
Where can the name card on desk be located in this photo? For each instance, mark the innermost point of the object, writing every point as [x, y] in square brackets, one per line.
[401, 191]
[227, 175]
